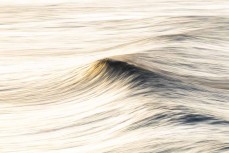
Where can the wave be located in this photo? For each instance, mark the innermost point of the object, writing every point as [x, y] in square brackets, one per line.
[114, 76]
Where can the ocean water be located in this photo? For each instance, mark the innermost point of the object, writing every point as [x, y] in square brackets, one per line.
[99, 76]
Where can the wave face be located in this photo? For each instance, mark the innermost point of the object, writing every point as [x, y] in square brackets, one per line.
[128, 76]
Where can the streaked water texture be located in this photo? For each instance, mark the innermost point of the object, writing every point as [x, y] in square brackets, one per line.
[114, 76]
